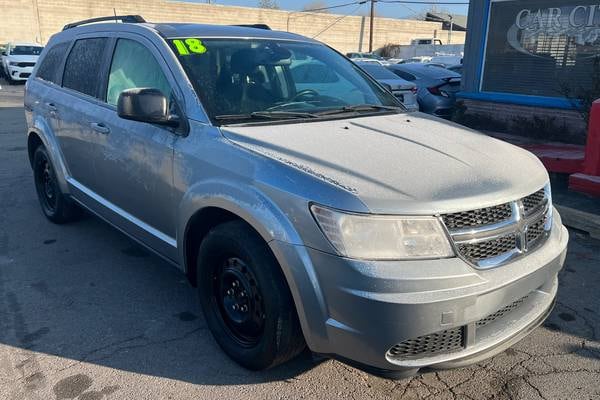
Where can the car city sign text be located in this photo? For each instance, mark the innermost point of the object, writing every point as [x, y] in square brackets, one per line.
[578, 24]
[556, 18]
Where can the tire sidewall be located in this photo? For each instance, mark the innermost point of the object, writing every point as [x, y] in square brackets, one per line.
[219, 245]
[64, 210]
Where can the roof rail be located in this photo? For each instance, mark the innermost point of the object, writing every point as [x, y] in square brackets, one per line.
[257, 26]
[131, 19]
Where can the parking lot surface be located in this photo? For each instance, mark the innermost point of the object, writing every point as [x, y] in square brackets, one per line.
[87, 314]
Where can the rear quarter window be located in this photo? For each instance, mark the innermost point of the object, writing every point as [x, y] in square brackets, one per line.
[404, 75]
[51, 63]
[83, 67]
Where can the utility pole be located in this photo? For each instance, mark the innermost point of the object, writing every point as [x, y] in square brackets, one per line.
[451, 26]
[371, 28]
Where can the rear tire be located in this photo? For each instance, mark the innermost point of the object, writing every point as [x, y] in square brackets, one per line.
[56, 206]
[246, 301]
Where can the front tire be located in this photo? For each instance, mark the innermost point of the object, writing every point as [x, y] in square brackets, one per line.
[57, 207]
[246, 301]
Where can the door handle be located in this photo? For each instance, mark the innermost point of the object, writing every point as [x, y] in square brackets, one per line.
[100, 128]
[52, 108]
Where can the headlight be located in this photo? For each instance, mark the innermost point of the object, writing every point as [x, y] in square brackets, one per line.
[378, 237]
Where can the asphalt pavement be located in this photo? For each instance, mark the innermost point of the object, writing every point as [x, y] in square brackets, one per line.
[87, 314]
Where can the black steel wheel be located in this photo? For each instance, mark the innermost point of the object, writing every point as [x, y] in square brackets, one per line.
[239, 301]
[57, 207]
[245, 298]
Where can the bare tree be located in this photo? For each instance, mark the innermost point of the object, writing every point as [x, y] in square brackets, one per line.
[272, 4]
[315, 4]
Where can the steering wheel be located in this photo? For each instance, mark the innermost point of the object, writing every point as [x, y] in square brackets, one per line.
[305, 92]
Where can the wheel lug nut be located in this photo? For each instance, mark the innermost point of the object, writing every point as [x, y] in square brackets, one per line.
[229, 292]
[235, 307]
[243, 293]
[234, 283]
[244, 308]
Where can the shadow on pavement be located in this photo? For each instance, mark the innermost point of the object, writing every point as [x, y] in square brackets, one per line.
[116, 306]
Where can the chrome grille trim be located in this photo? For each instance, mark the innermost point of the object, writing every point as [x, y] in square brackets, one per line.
[491, 245]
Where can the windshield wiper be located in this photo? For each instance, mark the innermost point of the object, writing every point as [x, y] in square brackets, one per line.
[359, 108]
[267, 115]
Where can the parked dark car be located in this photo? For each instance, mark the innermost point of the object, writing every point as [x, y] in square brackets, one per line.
[437, 86]
[458, 68]
[404, 91]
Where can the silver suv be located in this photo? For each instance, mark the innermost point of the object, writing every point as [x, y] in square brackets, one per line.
[309, 209]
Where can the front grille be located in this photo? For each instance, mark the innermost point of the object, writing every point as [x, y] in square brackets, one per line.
[427, 345]
[477, 218]
[476, 252]
[500, 313]
[534, 201]
[26, 64]
[511, 229]
[449, 340]
[535, 232]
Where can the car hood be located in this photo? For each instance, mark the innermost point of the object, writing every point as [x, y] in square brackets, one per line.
[401, 163]
[24, 58]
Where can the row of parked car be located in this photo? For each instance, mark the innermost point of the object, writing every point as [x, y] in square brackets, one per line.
[430, 88]
[18, 59]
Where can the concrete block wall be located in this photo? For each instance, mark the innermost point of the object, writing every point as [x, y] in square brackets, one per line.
[569, 122]
[37, 20]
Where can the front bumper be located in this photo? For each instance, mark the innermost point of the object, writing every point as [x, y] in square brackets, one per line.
[359, 310]
[19, 73]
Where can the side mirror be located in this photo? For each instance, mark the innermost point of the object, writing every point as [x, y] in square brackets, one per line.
[387, 86]
[145, 105]
[4, 53]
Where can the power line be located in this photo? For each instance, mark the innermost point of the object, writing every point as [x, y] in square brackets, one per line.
[336, 6]
[339, 19]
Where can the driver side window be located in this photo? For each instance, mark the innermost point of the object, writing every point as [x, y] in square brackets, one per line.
[134, 66]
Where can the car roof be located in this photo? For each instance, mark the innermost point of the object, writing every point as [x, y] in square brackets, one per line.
[430, 71]
[203, 30]
[174, 30]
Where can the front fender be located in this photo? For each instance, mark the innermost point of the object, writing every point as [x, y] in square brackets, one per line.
[245, 201]
[276, 229]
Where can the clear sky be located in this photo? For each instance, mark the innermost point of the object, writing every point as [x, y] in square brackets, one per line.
[384, 10]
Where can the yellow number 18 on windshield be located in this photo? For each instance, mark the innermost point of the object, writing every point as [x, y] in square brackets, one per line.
[185, 47]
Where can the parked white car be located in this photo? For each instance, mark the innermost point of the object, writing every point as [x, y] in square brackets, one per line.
[447, 60]
[19, 59]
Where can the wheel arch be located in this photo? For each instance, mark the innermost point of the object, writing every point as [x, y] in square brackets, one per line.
[40, 133]
[208, 204]
[211, 203]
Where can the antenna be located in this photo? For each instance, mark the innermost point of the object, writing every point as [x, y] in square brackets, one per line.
[115, 12]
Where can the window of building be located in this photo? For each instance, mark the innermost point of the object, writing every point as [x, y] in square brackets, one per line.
[541, 47]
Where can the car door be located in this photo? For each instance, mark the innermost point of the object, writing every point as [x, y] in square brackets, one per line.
[135, 165]
[75, 106]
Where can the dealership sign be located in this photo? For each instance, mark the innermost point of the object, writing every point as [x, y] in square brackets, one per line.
[579, 24]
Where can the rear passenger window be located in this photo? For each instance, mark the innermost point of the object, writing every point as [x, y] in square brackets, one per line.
[134, 66]
[405, 75]
[48, 69]
[82, 70]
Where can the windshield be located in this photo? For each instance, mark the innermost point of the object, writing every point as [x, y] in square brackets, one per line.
[26, 50]
[378, 72]
[236, 77]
